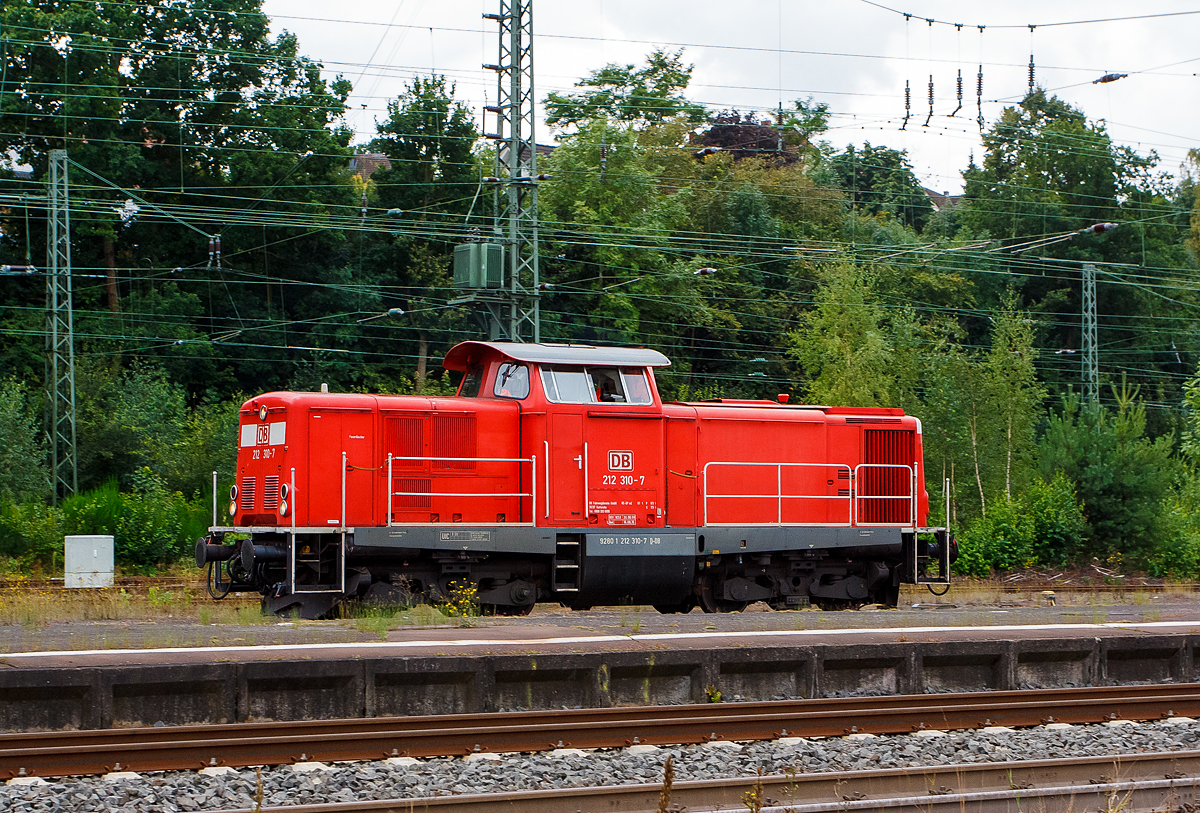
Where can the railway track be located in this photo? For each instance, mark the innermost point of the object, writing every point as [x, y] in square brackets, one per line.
[247, 744]
[1130, 784]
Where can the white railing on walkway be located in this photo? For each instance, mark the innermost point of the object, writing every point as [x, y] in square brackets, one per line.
[532, 493]
[852, 477]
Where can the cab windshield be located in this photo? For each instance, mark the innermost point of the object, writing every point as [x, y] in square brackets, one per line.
[512, 381]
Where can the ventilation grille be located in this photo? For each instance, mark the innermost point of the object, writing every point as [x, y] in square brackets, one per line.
[873, 420]
[404, 439]
[887, 447]
[271, 492]
[418, 493]
[453, 436]
[246, 494]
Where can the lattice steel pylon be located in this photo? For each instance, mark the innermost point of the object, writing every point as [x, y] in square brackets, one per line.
[60, 334]
[1091, 356]
[514, 309]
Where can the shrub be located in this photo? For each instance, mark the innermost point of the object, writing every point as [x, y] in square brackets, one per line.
[150, 525]
[1045, 525]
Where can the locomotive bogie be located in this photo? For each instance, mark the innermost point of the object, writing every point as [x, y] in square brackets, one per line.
[557, 473]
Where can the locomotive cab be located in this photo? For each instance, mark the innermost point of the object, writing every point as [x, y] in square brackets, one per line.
[556, 472]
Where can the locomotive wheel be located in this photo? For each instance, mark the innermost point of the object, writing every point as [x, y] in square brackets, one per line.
[710, 603]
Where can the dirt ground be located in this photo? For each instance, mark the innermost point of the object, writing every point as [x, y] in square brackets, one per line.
[180, 620]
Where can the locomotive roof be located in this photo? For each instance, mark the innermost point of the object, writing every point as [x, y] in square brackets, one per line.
[463, 356]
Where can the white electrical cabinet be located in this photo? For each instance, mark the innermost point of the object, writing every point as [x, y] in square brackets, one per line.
[88, 561]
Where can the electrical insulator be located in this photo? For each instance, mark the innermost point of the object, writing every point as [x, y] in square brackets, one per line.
[979, 98]
[1031, 72]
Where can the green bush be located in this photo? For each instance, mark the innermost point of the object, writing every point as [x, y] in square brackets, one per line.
[157, 526]
[31, 533]
[150, 525]
[1045, 525]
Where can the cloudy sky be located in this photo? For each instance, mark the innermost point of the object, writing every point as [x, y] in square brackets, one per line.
[753, 54]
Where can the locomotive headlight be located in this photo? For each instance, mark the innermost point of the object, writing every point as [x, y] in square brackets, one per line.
[283, 508]
[232, 508]
[262, 412]
[284, 491]
[233, 493]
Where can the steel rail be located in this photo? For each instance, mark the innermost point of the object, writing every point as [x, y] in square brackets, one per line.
[156, 749]
[1137, 781]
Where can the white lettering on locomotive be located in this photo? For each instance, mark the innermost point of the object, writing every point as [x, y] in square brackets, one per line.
[620, 461]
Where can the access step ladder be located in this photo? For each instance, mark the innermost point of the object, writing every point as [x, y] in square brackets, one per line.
[568, 562]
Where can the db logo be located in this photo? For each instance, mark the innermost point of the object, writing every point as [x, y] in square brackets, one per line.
[264, 434]
[620, 461]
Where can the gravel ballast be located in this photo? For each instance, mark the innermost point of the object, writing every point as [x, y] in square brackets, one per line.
[401, 779]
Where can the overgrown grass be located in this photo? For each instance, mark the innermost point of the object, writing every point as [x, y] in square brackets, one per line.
[379, 620]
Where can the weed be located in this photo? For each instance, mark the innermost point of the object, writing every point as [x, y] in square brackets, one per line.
[631, 617]
[753, 798]
[159, 597]
[713, 693]
[462, 604]
[664, 795]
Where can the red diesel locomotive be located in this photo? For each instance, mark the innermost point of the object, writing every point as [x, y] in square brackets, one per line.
[557, 474]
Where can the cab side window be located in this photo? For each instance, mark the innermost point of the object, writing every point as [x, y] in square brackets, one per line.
[566, 385]
[637, 391]
[512, 381]
[471, 383]
[606, 384]
[596, 385]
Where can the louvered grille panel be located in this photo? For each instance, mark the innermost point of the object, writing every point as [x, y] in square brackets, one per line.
[246, 493]
[270, 492]
[421, 499]
[404, 439]
[453, 436]
[893, 447]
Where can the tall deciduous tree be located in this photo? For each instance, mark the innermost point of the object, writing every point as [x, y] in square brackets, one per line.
[880, 179]
[848, 342]
[1016, 393]
[429, 138]
[628, 93]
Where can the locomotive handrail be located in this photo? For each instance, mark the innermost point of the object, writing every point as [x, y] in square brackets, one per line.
[779, 496]
[853, 497]
[910, 496]
[532, 493]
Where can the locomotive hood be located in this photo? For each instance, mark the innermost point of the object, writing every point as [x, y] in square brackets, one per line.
[467, 354]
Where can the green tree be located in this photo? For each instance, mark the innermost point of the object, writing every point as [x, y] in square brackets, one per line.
[878, 180]
[1123, 478]
[1015, 390]
[1046, 169]
[203, 113]
[429, 138]
[23, 470]
[626, 93]
[849, 344]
